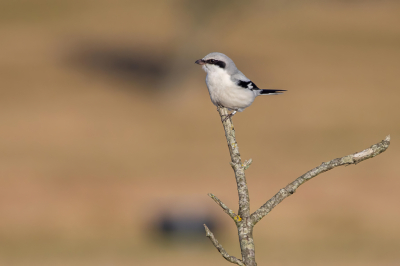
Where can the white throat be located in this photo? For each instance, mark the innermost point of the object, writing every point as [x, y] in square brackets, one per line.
[213, 69]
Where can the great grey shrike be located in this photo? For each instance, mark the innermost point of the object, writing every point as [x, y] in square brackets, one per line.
[228, 87]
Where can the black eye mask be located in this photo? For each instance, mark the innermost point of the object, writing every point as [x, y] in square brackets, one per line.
[216, 62]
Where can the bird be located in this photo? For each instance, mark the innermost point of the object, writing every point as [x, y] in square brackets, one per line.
[227, 86]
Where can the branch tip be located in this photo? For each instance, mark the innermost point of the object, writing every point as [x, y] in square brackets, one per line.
[226, 209]
[208, 232]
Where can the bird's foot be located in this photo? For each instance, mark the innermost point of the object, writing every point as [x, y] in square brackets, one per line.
[229, 116]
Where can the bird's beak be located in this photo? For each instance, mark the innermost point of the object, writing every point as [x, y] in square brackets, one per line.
[200, 62]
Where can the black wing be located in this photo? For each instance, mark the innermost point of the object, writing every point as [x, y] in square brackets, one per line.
[247, 85]
[253, 87]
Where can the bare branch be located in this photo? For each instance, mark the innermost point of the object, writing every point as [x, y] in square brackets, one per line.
[221, 249]
[231, 213]
[236, 163]
[243, 221]
[355, 158]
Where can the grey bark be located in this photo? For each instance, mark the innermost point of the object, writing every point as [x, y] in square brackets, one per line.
[245, 221]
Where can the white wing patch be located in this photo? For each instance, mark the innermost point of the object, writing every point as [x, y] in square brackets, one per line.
[247, 85]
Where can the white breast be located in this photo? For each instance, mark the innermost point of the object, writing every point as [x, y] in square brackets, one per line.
[223, 91]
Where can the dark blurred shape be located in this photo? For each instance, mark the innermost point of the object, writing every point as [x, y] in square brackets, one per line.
[127, 64]
[184, 227]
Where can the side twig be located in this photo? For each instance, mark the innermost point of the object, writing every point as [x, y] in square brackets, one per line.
[221, 249]
[355, 158]
[231, 213]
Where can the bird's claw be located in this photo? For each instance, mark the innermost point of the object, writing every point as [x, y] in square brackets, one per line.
[226, 117]
[229, 116]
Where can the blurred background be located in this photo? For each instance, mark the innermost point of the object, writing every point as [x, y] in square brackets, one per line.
[109, 142]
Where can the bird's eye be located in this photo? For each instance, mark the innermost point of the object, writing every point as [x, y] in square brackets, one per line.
[212, 61]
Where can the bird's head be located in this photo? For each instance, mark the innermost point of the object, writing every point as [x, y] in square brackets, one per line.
[216, 62]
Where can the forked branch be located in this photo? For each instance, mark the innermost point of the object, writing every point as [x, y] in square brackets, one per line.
[244, 220]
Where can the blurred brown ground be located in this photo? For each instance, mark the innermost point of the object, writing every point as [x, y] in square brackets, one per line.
[106, 120]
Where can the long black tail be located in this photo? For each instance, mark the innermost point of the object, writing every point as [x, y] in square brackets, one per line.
[271, 92]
